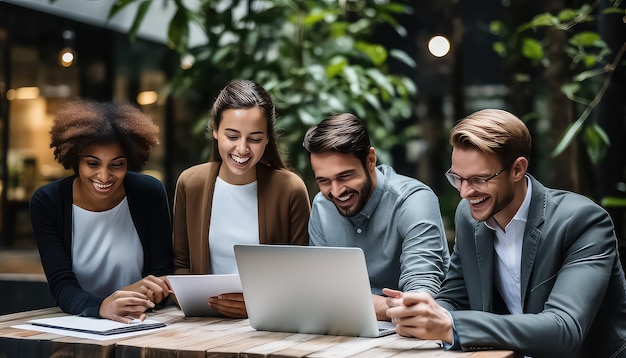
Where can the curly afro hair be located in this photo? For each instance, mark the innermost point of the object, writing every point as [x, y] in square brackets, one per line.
[80, 123]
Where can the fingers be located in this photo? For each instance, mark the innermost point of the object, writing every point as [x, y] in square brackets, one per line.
[235, 296]
[167, 283]
[130, 305]
[129, 319]
[411, 304]
[156, 288]
[392, 293]
[230, 304]
[414, 298]
[125, 303]
[394, 297]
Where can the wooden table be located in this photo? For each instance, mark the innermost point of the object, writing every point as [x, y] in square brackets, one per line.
[210, 337]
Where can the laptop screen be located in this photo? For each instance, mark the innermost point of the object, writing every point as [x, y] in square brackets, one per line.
[307, 289]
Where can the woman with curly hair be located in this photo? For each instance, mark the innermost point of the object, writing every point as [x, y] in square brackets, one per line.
[245, 194]
[104, 234]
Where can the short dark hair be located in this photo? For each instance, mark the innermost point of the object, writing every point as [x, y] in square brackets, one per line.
[247, 94]
[343, 133]
[81, 122]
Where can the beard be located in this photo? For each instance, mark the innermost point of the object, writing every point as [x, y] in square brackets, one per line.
[364, 194]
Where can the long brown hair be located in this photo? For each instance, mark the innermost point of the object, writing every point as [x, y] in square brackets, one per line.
[247, 94]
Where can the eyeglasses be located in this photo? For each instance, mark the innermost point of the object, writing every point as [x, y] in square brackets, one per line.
[475, 182]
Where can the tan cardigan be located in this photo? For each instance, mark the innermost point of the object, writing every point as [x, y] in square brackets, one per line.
[284, 210]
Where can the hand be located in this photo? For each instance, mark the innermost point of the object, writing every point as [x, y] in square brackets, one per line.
[417, 314]
[380, 307]
[394, 297]
[123, 306]
[156, 288]
[229, 304]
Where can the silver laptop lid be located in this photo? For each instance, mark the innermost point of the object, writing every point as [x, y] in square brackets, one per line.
[307, 289]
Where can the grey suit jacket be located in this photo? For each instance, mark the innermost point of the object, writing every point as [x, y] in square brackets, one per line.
[572, 282]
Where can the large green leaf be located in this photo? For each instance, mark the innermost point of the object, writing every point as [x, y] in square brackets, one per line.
[403, 57]
[142, 10]
[588, 74]
[496, 27]
[545, 19]
[571, 132]
[614, 10]
[117, 6]
[570, 90]
[541, 20]
[567, 15]
[381, 80]
[178, 31]
[351, 76]
[532, 49]
[376, 53]
[500, 48]
[586, 38]
[613, 202]
[597, 142]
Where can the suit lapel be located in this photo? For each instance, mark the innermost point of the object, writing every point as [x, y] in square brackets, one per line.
[532, 235]
[207, 204]
[483, 237]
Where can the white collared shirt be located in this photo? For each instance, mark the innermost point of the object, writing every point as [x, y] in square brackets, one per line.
[508, 247]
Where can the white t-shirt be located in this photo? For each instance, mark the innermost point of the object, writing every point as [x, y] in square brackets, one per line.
[234, 220]
[106, 250]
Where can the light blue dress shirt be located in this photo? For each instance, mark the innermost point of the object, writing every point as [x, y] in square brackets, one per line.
[399, 229]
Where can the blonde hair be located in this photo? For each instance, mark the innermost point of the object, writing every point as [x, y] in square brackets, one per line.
[493, 131]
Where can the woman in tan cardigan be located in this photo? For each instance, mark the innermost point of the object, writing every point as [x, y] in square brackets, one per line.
[244, 195]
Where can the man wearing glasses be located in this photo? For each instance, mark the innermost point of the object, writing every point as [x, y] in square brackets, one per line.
[534, 270]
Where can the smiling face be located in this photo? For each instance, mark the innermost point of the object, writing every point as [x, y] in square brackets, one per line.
[241, 140]
[101, 172]
[343, 180]
[501, 196]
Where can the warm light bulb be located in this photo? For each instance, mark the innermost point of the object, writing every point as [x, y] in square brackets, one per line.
[187, 61]
[23, 93]
[147, 97]
[66, 57]
[439, 46]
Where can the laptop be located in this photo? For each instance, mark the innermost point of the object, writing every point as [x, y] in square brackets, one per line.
[193, 291]
[308, 289]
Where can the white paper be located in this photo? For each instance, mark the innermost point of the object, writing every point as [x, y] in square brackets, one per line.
[95, 325]
[95, 337]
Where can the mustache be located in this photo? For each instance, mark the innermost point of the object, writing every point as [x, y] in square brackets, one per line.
[345, 192]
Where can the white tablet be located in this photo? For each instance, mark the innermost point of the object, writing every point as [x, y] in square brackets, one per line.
[193, 291]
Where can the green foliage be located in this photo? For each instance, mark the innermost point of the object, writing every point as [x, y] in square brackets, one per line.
[614, 202]
[591, 73]
[315, 57]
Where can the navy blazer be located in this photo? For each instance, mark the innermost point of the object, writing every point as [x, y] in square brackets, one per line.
[572, 282]
[51, 217]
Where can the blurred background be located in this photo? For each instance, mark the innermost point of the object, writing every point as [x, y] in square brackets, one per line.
[411, 68]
